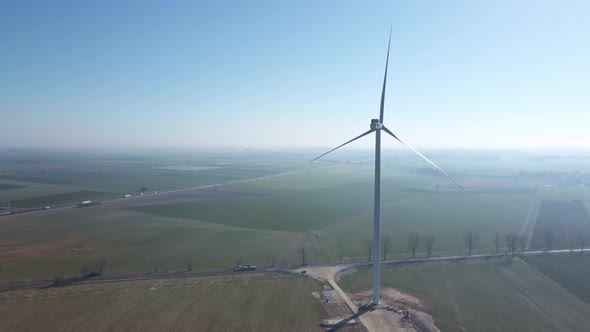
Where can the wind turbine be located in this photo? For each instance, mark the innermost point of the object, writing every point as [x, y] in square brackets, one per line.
[377, 126]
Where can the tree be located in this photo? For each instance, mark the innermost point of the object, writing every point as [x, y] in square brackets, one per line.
[581, 241]
[189, 266]
[429, 243]
[386, 246]
[470, 239]
[522, 241]
[413, 242]
[369, 247]
[101, 265]
[548, 233]
[497, 239]
[511, 240]
[85, 270]
[301, 253]
[58, 279]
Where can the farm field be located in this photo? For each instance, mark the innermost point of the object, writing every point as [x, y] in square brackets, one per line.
[46, 246]
[4, 186]
[570, 271]
[31, 175]
[488, 295]
[69, 197]
[246, 302]
[328, 210]
[566, 220]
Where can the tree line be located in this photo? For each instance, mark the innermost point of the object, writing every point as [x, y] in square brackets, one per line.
[512, 242]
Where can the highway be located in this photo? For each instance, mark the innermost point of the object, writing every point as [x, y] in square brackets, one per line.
[41, 211]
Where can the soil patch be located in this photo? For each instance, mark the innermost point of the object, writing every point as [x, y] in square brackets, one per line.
[397, 305]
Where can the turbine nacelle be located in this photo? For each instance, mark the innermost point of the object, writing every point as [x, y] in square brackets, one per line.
[375, 124]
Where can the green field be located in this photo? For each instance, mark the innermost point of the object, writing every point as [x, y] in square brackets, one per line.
[43, 247]
[247, 302]
[567, 220]
[70, 197]
[494, 295]
[4, 186]
[300, 211]
[330, 211]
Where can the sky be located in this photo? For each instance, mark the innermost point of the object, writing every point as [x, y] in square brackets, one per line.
[463, 74]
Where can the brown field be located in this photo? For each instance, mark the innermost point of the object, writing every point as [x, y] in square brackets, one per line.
[244, 302]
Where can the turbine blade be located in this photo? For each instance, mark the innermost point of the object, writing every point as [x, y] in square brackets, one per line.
[384, 81]
[339, 146]
[421, 155]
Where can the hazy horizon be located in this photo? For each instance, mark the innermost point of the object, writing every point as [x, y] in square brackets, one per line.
[263, 75]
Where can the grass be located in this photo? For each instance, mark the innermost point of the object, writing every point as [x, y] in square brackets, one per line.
[219, 303]
[483, 296]
[571, 271]
[297, 211]
[446, 215]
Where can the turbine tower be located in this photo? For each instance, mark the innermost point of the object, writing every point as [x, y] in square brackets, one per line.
[377, 126]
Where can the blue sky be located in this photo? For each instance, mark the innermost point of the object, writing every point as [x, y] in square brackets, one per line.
[472, 74]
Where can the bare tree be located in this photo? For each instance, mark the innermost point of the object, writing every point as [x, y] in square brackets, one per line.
[522, 241]
[272, 260]
[511, 240]
[238, 261]
[302, 254]
[369, 247]
[386, 246]
[84, 270]
[548, 233]
[58, 279]
[101, 265]
[429, 243]
[413, 242]
[497, 240]
[581, 241]
[189, 266]
[470, 239]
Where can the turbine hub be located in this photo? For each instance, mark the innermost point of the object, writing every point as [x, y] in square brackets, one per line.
[375, 124]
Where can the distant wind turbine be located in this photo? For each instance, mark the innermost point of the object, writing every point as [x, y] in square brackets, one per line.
[377, 126]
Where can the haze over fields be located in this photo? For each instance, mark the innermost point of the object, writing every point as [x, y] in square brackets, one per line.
[155, 168]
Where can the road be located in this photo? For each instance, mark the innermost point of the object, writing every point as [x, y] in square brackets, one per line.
[40, 211]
